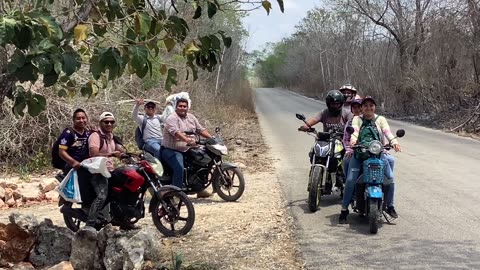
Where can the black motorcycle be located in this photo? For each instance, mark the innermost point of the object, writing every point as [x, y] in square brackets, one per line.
[326, 173]
[204, 166]
[171, 209]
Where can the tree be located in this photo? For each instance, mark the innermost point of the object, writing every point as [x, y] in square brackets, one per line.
[49, 41]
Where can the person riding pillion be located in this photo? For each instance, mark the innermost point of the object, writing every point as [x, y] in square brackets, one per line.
[350, 94]
[150, 125]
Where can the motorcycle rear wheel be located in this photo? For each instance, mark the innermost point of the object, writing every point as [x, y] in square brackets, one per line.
[315, 192]
[72, 223]
[175, 201]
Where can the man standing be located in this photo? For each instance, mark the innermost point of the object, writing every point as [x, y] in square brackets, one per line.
[176, 142]
[151, 126]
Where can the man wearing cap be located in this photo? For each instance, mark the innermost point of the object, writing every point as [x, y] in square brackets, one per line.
[152, 126]
[102, 144]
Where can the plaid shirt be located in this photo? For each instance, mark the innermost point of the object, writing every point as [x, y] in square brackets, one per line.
[174, 124]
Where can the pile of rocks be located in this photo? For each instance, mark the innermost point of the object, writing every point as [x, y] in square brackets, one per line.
[27, 244]
[17, 193]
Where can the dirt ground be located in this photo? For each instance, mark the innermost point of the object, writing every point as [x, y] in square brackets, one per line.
[253, 233]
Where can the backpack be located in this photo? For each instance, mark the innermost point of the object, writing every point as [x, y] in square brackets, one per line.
[57, 161]
[139, 132]
[103, 139]
[368, 132]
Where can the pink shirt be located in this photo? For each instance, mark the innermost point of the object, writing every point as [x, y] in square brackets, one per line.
[107, 148]
[174, 124]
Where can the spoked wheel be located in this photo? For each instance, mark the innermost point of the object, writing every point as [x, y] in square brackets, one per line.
[373, 215]
[315, 192]
[72, 223]
[230, 184]
[173, 215]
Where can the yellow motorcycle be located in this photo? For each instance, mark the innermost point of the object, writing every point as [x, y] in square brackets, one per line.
[326, 173]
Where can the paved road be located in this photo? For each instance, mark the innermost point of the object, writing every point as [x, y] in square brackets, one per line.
[437, 197]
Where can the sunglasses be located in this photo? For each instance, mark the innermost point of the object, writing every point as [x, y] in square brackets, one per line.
[109, 122]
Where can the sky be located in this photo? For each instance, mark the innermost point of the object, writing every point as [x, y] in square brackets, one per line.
[277, 25]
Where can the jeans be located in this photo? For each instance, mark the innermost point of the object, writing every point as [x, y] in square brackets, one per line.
[153, 147]
[99, 185]
[174, 159]
[346, 163]
[355, 166]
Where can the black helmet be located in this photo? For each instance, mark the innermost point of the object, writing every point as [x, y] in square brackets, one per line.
[334, 96]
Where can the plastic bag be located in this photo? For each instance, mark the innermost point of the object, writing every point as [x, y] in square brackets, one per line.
[69, 188]
[97, 165]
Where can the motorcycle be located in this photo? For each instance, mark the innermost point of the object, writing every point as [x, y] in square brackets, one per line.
[204, 165]
[371, 189]
[326, 174]
[125, 203]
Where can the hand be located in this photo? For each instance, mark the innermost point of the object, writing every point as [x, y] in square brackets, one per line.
[303, 128]
[353, 143]
[397, 147]
[139, 101]
[117, 154]
[348, 155]
[76, 165]
[191, 142]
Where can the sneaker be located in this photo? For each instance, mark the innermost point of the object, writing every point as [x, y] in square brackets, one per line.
[204, 194]
[343, 217]
[391, 212]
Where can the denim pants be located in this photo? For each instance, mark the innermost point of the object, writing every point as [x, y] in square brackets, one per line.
[153, 147]
[354, 168]
[174, 159]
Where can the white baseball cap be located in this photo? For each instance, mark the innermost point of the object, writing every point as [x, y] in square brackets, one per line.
[106, 115]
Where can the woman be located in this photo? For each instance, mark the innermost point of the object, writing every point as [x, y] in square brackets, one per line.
[356, 108]
[381, 127]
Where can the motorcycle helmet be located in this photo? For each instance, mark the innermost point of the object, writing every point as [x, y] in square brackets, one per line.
[350, 97]
[335, 100]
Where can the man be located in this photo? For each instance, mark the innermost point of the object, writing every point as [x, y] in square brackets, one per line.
[102, 144]
[335, 116]
[176, 142]
[151, 126]
[73, 147]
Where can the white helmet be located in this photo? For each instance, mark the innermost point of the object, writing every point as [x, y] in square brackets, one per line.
[348, 99]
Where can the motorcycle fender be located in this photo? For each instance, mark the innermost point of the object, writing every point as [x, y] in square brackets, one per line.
[160, 193]
[227, 165]
[374, 192]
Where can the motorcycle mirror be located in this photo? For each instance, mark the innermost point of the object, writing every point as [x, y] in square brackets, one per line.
[400, 133]
[300, 116]
[350, 130]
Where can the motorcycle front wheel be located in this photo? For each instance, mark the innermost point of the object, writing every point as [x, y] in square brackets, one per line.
[174, 215]
[373, 215]
[315, 192]
[73, 223]
[230, 184]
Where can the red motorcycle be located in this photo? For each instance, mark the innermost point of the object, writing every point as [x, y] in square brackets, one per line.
[171, 209]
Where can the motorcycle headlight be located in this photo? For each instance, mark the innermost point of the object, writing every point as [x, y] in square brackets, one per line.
[375, 147]
[221, 148]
